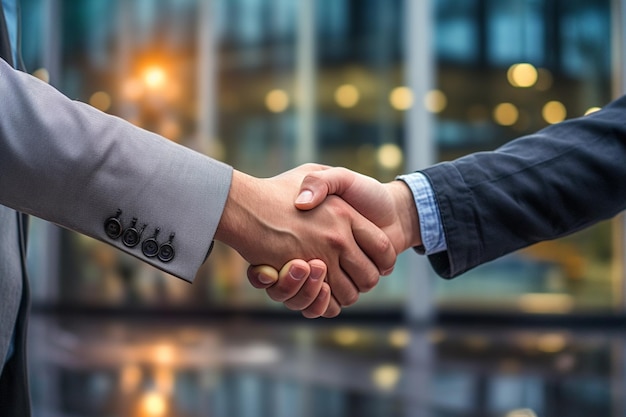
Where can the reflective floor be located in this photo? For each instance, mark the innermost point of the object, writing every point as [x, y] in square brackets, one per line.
[150, 368]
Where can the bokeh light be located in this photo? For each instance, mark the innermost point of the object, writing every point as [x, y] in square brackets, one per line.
[347, 96]
[154, 77]
[390, 156]
[277, 101]
[522, 75]
[554, 112]
[401, 98]
[100, 100]
[435, 101]
[506, 114]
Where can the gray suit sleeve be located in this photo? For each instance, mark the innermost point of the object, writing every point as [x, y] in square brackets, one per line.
[67, 163]
[538, 187]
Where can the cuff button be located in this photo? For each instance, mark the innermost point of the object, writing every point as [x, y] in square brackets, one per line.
[113, 226]
[166, 251]
[131, 235]
[150, 246]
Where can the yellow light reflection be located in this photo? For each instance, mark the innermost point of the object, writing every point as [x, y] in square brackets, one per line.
[386, 377]
[277, 101]
[154, 77]
[132, 89]
[401, 98]
[546, 303]
[130, 378]
[164, 380]
[505, 114]
[390, 156]
[153, 404]
[100, 100]
[435, 101]
[551, 343]
[346, 336]
[522, 75]
[347, 96]
[399, 338]
[554, 112]
[164, 354]
[522, 412]
[592, 110]
[42, 74]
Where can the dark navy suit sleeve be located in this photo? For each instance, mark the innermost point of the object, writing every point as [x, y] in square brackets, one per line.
[538, 187]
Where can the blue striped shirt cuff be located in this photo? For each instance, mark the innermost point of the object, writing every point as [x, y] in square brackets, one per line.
[431, 228]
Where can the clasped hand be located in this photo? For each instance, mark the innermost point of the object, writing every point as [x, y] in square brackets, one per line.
[316, 236]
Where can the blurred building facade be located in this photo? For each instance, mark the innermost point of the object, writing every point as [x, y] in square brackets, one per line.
[379, 86]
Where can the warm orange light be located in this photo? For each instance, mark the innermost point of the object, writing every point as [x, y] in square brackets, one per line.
[277, 101]
[153, 405]
[154, 77]
[130, 378]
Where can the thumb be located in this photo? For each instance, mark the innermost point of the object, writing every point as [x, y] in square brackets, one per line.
[262, 276]
[316, 186]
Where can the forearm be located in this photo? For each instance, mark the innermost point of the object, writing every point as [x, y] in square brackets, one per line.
[70, 164]
[539, 187]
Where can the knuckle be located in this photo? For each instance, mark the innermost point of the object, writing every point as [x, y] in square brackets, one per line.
[336, 240]
[350, 299]
[369, 282]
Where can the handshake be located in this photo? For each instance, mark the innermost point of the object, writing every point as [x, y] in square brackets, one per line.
[315, 236]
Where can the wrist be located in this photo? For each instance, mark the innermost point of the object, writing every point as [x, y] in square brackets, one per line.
[233, 219]
[406, 210]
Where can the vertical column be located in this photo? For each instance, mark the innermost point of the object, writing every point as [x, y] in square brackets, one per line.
[306, 149]
[420, 145]
[52, 39]
[618, 54]
[420, 153]
[46, 283]
[207, 79]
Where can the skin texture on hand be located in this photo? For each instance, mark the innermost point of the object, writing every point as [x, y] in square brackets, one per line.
[299, 286]
[390, 206]
[262, 224]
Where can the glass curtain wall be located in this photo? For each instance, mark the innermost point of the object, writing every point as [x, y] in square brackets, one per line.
[265, 85]
[503, 69]
[510, 68]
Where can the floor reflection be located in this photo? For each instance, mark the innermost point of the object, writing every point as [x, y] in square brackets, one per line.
[95, 367]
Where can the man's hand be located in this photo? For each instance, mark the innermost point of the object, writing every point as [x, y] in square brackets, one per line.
[262, 224]
[299, 285]
[390, 206]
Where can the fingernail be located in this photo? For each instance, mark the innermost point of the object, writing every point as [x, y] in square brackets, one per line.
[316, 273]
[297, 272]
[388, 272]
[304, 197]
[264, 279]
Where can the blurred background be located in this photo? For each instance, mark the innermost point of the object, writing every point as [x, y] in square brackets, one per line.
[382, 87]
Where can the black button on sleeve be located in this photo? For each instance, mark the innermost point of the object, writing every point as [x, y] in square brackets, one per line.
[113, 226]
[166, 252]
